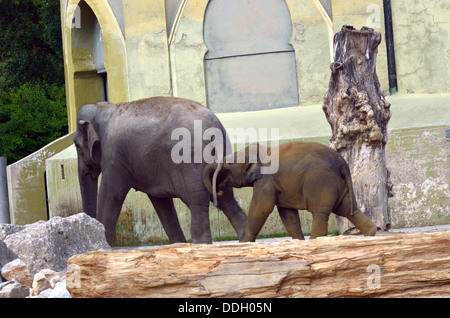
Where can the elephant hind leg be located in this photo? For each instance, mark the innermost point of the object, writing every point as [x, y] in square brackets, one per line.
[291, 222]
[169, 219]
[319, 225]
[363, 223]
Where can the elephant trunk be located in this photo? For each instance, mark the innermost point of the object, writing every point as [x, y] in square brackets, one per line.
[211, 182]
[89, 189]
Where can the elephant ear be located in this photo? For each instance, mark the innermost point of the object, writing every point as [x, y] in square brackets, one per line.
[91, 141]
[252, 168]
[267, 162]
[253, 171]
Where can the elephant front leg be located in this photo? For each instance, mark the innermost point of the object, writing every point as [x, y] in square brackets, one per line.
[200, 227]
[111, 195]
[261, 206]
[291, 222]
[234, 213]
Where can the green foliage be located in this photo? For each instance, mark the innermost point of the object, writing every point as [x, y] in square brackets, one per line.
[31, 116]
[30, 43]
[32, 94]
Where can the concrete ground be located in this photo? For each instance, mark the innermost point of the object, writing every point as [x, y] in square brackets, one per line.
[424, 229]
[433, 228]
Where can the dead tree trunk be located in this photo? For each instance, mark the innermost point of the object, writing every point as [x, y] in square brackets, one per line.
[358, 114]
[402, 265]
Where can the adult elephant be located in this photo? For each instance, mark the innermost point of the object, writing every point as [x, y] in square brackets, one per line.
[310, 176]
[132, 145]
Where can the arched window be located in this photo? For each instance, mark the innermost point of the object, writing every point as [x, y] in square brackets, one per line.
[99, 58]
[250, 64]
[88, 53]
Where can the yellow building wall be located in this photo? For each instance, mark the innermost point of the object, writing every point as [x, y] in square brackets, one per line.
[187, 51]
[422, 45]
[147, 51]
[312, 41]
[147, 61]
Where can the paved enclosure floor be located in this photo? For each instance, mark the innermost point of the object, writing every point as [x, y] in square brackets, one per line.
[433, 228]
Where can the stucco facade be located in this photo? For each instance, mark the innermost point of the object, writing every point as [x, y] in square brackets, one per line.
[145, 56]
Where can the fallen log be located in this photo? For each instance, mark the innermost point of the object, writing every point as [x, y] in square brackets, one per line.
[402, 265]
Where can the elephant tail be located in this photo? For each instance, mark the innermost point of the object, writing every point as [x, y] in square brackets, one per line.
[345, 171]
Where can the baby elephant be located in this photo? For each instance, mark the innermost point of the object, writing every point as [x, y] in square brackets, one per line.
[310, 177]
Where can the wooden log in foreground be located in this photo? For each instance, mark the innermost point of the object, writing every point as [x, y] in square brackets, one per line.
[402, 265]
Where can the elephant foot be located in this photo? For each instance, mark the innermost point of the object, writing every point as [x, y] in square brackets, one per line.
[363, 223]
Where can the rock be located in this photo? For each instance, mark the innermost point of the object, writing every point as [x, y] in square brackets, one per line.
[55, 287]
[8, 229]
[6, 255]
[60, 291]
[13, 289]
[46, 293]
[50, 244]
[18, 271]
[5, 283]
[45, 279]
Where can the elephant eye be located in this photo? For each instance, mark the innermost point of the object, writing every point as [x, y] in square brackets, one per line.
[78, 144]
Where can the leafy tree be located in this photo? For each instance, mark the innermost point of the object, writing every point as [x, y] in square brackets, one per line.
[31, 116]
[30, 42]
[32, 94]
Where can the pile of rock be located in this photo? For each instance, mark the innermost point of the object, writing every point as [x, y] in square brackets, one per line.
[33, 258]
[20, 283]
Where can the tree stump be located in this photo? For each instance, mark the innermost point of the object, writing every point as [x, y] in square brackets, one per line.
[358, 115]
[401, 265]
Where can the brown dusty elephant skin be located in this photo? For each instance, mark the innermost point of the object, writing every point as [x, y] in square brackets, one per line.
[310, 177]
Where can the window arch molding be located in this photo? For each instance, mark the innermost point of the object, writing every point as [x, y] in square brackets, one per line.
[115, 60]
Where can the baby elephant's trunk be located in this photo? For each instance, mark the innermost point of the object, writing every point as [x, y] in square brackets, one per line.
[363, 223]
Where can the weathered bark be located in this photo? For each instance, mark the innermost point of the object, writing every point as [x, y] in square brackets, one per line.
[358, 115]
[402, 265]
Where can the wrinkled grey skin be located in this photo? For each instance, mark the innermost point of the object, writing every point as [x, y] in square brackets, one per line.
[310, 177]
[130, 144]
